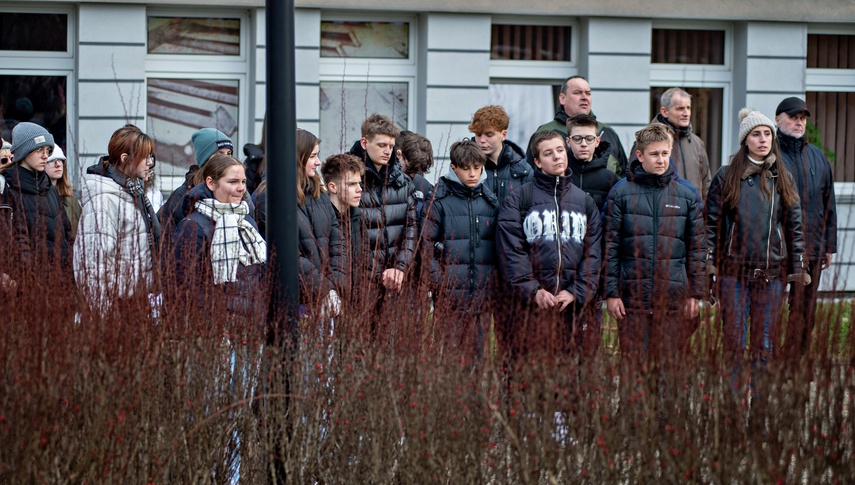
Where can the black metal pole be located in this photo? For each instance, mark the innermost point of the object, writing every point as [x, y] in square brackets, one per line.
[281, 153]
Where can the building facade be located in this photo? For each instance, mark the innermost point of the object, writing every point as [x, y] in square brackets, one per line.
[85, 69]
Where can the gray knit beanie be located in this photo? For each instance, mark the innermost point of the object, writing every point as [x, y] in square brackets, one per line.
[27, 137]
[749, 118]
[207, 141]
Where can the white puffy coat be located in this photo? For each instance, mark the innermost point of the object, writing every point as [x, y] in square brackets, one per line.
[112, 256]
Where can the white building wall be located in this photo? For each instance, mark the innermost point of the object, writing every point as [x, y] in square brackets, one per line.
[110, 75]
[457, 75]
[618, 70]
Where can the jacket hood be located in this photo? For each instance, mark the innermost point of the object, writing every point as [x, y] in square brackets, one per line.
[600, 160]
[639, 175]
[511, 152]
[253, 152]
[26, 181]
[194, 195]
[450, 184]
[97, 182]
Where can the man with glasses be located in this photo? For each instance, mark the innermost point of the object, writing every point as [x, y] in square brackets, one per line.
[575, 99]
[689, 154]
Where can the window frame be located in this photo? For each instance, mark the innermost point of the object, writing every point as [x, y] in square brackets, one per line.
[66, 58]
[205, 67]
[702, 75]
[538, 71]
[831, 81]
[372, 69]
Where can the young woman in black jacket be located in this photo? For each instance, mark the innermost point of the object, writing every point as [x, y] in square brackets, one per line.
[754, 240]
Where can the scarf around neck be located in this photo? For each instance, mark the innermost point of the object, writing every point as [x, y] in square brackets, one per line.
[235, 241]
[752, 167]
[136, 188]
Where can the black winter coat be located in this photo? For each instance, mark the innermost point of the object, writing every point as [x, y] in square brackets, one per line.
[594, 177]
[191, 251]
[252, 165]
[758, 236]
[322, 264]
[655, 241]
[555, 245]
[39, 222]
[460, 237]
[815, 184]
[510, 172]
[172, 211]
[389, 213]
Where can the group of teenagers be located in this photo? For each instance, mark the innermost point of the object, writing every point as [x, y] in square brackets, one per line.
[535, 247]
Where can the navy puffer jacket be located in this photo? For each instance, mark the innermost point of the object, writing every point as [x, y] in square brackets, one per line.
[389, 213]
[555, 244]
[460, 234]
[655, 241]
[191, 251]
[321, 246]
[39, 223]
[510, 172]
[758, 235]
[815, 183]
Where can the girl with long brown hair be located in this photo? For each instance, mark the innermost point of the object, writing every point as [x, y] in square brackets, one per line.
[754, 240]
[57, 171]
[320, 240]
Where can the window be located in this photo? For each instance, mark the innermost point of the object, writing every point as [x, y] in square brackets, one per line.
[528, 106]
[530, 42]
[35, 64]
[688, 46]
[196, 77]
[696, 57]
[24, 31]
[340, 123]
[380, 40]
[706, 118]
[367, 66]
[529, 58]
[830, 96]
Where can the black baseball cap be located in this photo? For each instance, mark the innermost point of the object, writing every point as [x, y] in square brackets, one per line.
[792, 106]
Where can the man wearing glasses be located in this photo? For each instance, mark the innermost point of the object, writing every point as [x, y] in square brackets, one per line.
[575, 99]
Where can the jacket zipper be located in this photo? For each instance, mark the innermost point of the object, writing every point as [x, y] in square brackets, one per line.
[730, 239]
[655, 234]
[557, 235]
[472, 242]
[771, 213]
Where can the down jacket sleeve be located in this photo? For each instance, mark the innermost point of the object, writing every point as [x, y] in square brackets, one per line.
[96, 267]
[338, 256]
[613, 221]
[512, 249]
[430, 236]
[406, 251]
[584, 286]
[697, 250]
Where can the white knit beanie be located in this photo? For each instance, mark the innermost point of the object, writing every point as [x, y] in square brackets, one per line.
[750, 118]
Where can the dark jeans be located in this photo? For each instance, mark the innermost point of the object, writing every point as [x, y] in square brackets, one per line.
[755, 302]
[802, 303]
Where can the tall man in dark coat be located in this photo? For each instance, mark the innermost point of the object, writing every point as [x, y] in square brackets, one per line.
[815, 183]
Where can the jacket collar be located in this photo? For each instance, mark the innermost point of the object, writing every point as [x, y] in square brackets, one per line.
[390, 174]
[681, 131]
[451, 184]
[600, 160]
[27, 181]
[549, 183]
[639, 175]
[791, 144]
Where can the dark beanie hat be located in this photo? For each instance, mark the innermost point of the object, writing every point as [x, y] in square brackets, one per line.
[27, 137]
[207, 141]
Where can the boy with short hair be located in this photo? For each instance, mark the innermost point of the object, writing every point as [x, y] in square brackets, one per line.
[343, 180]
[506, 166]
[415, 153]
[548, 242]
[459, 240]
[388, 202]
[588, 161]
[655, 245]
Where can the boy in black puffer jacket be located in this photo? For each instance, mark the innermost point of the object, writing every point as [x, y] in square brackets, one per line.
[655, 245]
[506, 167]
[459, 240]
[548, 242]
[588, 160]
